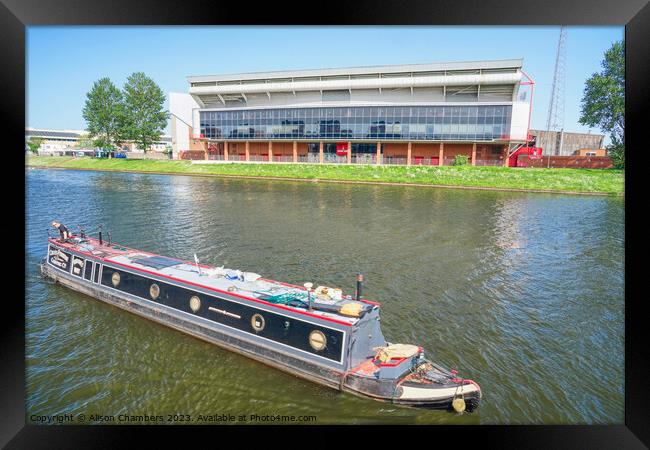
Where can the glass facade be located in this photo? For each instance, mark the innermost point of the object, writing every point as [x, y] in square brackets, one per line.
[416, 123]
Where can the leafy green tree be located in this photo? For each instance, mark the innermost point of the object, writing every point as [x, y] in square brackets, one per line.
[145, 114]
[85, 141]
[104, 113]
[34, 144]
[603, 101]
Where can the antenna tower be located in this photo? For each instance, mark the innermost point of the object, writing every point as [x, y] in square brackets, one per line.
[555, 118]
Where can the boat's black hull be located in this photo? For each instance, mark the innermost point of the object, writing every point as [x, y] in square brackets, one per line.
[471, 403]
[163, 315]
[383, 390]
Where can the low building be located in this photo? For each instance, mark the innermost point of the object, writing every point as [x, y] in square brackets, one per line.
[398, 114]
[64, 142]
[563, 143]
[54, 141]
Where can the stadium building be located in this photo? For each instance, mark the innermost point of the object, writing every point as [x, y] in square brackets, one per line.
[397, 114]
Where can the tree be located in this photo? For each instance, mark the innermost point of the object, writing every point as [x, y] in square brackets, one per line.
[34, 144]
[104, 113]
[145, 115]
[85, 142]
[603, 101]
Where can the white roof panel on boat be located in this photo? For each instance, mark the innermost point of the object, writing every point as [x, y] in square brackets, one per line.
[245, 284]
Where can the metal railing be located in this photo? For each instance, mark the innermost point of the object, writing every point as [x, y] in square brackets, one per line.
[334, 159]
[311, 158]
[394, 160]
[283, 158]
[364, 159]
[421, 161]
[489, 162]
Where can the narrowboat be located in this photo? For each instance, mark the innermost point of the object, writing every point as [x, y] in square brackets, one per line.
[318, 334]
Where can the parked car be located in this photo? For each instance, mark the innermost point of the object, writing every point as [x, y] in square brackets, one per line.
[120, 155]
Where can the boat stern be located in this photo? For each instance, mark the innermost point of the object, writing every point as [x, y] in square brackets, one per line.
[457, 394]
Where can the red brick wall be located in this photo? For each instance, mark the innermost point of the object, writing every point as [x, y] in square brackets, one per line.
[258, 148]
[262, 148]
[452, 150]
[425, 150]
[584, 162]
[283, 148]
[191, 154]
[395, 150]
[303, 149]
[485, 151]
[431, 150]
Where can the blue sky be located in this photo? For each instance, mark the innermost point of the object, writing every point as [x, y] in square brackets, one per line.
[64, 61]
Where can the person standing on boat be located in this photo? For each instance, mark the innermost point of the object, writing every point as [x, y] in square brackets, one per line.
[63, 230]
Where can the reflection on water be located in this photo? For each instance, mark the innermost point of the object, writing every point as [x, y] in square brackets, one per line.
[521, 292]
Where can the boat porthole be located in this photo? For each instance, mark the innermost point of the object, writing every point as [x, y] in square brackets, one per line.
[195, 303]
[115, 279]
[317, 340]
[257, 322]
[154, 291]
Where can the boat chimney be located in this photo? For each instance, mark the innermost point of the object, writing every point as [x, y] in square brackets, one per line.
[359, 286]
[309, 286]
[100, 235]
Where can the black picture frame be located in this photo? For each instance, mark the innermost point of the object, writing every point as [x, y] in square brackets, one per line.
[15, 15]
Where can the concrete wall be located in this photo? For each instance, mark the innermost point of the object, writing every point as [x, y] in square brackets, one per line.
[181, 106]
[519, 121]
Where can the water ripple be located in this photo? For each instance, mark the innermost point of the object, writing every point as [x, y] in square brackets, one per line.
[522, 293]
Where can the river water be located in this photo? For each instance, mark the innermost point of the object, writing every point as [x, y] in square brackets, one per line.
[523, 293]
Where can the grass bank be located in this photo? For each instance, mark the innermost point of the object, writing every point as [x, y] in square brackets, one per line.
[596, 181]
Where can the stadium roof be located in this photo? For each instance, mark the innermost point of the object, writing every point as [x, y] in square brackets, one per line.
[361, 70]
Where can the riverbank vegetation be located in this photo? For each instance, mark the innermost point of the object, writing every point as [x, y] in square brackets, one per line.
[604, 181]
[603, 101]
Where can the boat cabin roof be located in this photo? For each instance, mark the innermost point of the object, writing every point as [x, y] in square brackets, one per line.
[246, 285]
